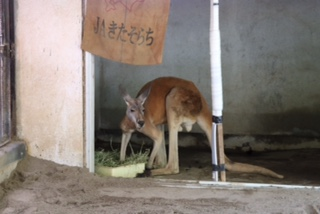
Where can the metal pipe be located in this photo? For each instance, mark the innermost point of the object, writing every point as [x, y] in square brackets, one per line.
[216, 92]
[215, 59]
[6, 71]
[254, 185]
[215, 174]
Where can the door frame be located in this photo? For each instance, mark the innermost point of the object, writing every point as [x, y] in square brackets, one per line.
[7, 71]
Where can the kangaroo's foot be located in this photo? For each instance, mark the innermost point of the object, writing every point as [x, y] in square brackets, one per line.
[164, 171]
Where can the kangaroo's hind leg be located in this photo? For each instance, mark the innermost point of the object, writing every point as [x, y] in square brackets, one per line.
[161, 157]
[182, 107]
[174, 123]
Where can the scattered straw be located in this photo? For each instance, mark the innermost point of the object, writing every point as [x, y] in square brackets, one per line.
[112, 158]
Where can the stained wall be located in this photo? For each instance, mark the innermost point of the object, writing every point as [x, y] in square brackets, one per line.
[49, 79]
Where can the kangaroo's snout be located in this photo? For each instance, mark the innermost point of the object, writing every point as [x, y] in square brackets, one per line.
[141, 123]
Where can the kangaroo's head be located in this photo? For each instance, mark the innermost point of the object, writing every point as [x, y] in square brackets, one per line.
[135, 108]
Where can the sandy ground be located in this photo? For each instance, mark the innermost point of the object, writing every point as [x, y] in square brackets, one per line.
[39, 186]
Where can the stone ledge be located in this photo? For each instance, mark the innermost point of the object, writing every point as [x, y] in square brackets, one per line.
[12, 152]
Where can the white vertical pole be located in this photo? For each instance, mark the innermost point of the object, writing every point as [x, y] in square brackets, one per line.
[89, 110]
[214, 152]
[215, 50]
[89, 107]
[216, 80]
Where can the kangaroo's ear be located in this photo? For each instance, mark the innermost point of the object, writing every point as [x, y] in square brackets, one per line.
[126, 97]
[144, 95]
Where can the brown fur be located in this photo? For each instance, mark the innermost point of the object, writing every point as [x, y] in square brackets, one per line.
[178, 103]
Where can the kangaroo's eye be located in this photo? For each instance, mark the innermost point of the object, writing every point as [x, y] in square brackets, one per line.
[132, 110]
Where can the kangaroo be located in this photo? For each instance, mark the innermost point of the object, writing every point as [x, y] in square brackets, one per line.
[179, 104]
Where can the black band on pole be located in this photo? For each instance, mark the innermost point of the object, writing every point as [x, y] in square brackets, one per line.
[218, 168]
[216, 119]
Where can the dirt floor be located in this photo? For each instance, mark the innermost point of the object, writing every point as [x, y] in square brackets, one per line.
[299, 167]
[42, 187]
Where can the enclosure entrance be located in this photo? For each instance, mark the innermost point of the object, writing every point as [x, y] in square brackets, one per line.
[263, 73]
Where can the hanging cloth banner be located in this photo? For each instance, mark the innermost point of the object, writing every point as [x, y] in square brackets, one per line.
[127, 31]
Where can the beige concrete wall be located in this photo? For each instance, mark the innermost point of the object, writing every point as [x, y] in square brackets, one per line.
[49, 79]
